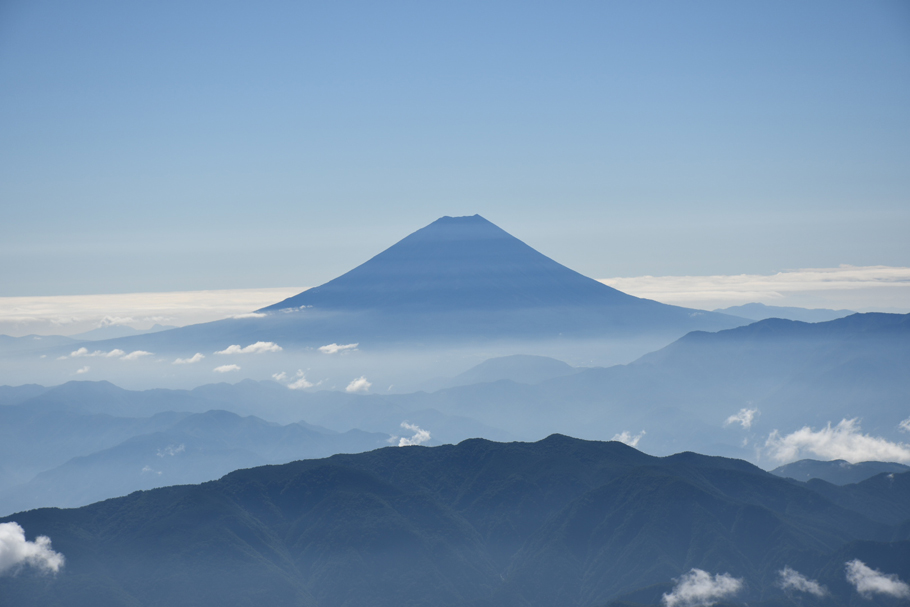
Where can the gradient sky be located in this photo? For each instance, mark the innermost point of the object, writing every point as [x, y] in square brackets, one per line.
[167, 146]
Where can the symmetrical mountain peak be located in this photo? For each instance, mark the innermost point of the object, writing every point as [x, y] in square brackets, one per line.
[457, 263]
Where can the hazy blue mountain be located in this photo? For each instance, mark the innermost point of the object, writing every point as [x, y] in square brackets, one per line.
[519, 368]
[459, 279]
[194, 449]
[114, 331]
[558, 522]
[837, 472]
[759, 311]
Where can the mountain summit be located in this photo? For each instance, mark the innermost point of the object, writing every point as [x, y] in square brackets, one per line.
[458, 263]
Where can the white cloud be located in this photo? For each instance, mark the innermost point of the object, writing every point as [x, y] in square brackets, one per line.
[301, 382]
[279, 376]
[700, 589]
[171, 450]
[16, 551]
[249, 315]
[359, 385]
[420, 435]
[136, 354]
[189, 361]
[84, 369]
[904, 426]
[108, 321]
[259, 347]
[335, 348]
[226, 368]
[70, 314]
[844, 441]
[626, 437]
[150, 470]
[84, 353]
[842, 287]
[870, 581]
[790, 579]
[744, 418]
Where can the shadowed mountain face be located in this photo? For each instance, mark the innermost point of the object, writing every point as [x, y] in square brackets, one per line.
[558, 522]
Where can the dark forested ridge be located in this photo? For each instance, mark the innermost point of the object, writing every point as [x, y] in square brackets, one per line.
[557, 522]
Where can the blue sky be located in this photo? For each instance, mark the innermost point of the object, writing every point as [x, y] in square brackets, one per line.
[216, 145]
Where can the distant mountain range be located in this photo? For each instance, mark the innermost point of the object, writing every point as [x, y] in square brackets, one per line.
[759, 311]
[558, 522]
[837, 472]
[774, 375]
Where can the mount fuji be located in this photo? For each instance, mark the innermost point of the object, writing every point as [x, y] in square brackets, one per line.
[457, 280]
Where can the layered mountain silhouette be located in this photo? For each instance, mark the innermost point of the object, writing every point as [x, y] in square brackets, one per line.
[558, 522]
[457, 279]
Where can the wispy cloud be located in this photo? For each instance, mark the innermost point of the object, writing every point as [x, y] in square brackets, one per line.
[420, 435]
[84, 369]
[843, 441]
[335, 348]
[301, 382]
[626, 437]
[136, 354]
[744, 418]
[842, 287]
[226, 368]
[868, 581]
[279, 376]
[84, 353]
[171, 450]
[359, 385]
[790, 579]
[150, 470]
[260, 347]
[195, 358]
[904, 426]
[17, 552]
[701, 589]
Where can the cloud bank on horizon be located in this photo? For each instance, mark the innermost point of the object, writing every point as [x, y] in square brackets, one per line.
[858, 288]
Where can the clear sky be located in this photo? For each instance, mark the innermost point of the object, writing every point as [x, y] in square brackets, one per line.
[160, 146]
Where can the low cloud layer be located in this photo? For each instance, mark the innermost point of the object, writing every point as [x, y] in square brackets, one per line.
[71, 314]
[701, 589]
[791, 580]
[84, 369]
[869, 582]
[359, 385]
[17, 552]
[852, 287]
[226, 368]
[843, 441]
[260, 347]
[626, 437]
[336, 348]
[745, 417]
[115, 353]
[136, 355]
[189, 361]
[420, 435]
